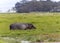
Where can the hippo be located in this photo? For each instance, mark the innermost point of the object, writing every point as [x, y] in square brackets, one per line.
[22, 26]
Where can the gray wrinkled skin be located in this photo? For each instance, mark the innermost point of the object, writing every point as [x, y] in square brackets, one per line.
[21, 26]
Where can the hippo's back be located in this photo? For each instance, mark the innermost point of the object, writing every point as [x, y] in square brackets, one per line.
[20, 25]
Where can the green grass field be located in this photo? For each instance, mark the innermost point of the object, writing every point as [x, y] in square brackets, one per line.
[47, 26]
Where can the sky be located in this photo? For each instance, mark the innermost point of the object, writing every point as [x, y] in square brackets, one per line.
[8, 4]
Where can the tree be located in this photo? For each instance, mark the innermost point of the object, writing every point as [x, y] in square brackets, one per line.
[13, 8]
[8, 10]
[23, 1]
[33, 6]
[48, 0]
[34, 0]
[17, 6]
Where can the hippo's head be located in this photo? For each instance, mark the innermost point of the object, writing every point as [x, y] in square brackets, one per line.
[30, 26]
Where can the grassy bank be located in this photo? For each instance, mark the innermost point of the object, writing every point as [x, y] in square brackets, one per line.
[47, 26]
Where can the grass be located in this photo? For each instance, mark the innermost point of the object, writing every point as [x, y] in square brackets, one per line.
[47, 26]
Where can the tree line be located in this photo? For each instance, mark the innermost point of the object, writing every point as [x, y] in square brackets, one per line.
[35, 6]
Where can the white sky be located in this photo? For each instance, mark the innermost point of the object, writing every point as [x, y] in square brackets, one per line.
[8, 4]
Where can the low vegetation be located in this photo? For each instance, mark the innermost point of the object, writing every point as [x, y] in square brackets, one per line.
[47, 27]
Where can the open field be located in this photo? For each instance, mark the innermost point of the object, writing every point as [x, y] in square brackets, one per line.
[47, 27]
